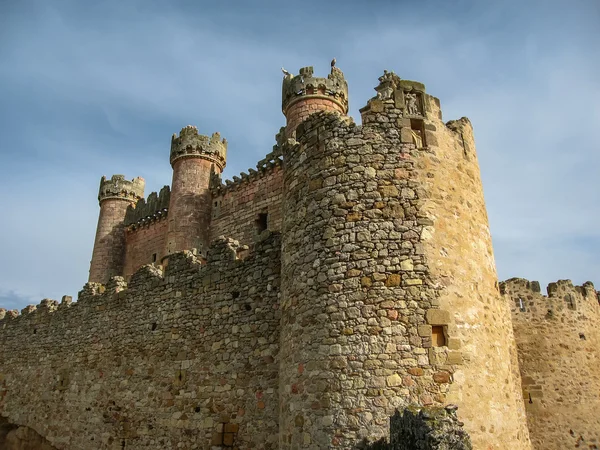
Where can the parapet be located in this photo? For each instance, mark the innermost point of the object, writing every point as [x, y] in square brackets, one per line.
[304, 85]
[145, 211]
[407, 95]
[191, 144]
[120, 188]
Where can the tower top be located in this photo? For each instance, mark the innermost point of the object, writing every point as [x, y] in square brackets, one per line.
[191, 144]
[117, 187]
[305, 85]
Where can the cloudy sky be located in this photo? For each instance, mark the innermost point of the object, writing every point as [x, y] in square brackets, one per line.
[97, 88]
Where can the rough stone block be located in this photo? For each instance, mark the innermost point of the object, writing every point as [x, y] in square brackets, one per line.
[438, 317]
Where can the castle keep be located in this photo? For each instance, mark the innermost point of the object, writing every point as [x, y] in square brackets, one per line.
[298, 306]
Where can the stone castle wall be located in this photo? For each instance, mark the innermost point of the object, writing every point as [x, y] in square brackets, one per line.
[558, 338]
[185, 359]
[236, 208]
[144, 245]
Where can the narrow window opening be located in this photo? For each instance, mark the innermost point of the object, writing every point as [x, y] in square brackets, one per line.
[123, 444]
[521, 305]
[197, 409]
[417, 128]
[247, 307]
[35, 331]
[261, 222]
[438, 338]
[530, 399]
[153, 257]
[154, 326]
[582, 336]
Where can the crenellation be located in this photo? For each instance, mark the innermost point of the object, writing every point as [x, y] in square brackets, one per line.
[191, 143]
[117, 187]
[156, 207]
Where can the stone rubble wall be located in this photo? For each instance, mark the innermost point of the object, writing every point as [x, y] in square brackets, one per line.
[356, 291]
[185, 359]
[558, 339]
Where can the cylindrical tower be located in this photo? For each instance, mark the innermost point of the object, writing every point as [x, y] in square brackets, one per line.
[304, 95]
[194, 158]
[389, 292]
[115, 195]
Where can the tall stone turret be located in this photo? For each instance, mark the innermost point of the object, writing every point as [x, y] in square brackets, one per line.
[304, 94]
[115, 195]
[194, 159]
[389, 292]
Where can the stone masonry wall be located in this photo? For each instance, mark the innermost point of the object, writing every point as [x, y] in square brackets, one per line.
[558, 339]
[184, 360]
[458, 248]
[109, 246]
[190, 205]
[236, 208]
[355, 287]
[142, 244]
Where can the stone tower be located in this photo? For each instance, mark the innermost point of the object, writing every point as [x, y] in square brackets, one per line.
[389, 293]
[194, 157]
[115, 195]
[305, 94]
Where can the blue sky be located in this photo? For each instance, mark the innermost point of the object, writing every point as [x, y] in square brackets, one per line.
[97, 88]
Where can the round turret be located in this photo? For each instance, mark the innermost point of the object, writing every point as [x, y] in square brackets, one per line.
[191, 144]
[304, 94]
[115, 195]
[194, 158]
[117, 187]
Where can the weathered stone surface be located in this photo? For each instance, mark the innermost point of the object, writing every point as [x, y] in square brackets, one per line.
[557, 340]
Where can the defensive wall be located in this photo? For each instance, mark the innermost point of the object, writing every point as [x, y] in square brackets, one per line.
[356, 278]
[558, 338]
[181, 359]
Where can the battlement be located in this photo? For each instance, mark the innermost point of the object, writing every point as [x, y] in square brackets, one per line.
[117, 187]
[562, 297]
[147, 211]
[271, 161]
[185, 266]
[191, 144]
[305, 85]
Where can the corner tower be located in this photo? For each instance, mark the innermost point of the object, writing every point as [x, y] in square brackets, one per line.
[194, 158]
[389, 293]
[115, 195]
[304, 94]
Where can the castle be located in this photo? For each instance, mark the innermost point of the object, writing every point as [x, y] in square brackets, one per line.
[299, 305]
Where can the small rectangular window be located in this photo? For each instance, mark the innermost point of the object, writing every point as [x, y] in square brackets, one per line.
[153, 257]
[438, 338]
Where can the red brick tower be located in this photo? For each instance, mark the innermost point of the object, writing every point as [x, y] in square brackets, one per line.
[194, 158]
[115, 196]
[304, 95]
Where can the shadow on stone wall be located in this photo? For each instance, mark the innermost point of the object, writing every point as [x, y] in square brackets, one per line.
[15, 437]
[424, 428]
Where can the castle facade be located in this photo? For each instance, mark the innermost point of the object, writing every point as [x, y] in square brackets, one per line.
[351, 274]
